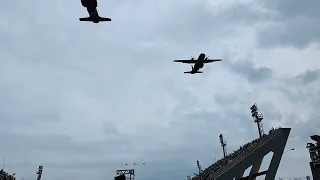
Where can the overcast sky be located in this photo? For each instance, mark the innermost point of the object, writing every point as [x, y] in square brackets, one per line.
[84, 99]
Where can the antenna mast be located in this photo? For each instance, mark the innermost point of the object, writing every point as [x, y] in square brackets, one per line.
[223, 143]
[257, 117]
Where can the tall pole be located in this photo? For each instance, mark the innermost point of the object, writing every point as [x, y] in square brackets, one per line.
[4, 161]
[257, 117]
[259, 129]
[199, 166]
[223, 144]
[288, 150]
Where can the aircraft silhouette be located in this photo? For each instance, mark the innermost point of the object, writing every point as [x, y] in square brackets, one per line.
[134, 163]
[198, 63]
[91, 6]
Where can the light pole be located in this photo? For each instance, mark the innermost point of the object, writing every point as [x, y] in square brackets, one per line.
[257, 117]
[4, 161]
[288, 150]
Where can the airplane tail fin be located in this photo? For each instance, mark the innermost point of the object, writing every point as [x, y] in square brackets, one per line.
[95, 20]
[193, 72]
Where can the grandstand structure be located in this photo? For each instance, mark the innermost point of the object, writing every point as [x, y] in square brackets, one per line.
[6, 176]
[296, 178]
[122, 174]
[314, 151]
[233, 166]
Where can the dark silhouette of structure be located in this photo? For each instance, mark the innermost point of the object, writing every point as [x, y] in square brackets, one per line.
[125, 172]
[198, 63]
[120, 177]
[223, 143]
[234, 165]
[39, 172]
[6, 176]
[314, 150]
[91, 6]
[257, 117]
[199, 167]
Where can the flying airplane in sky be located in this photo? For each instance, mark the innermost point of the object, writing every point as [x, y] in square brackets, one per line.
[91, 6]
[134, 163]
[198, 63]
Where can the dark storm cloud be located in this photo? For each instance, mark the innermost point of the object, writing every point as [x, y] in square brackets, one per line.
[253, 73]
[303, 87]
[308, 77]
[295, 24]
[245, 66]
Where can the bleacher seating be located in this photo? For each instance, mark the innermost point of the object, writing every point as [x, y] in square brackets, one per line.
[223, 164]
[6, 176]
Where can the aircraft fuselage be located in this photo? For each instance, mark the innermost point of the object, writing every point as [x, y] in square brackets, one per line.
[199, 63]
[91, 6]
[89, 3]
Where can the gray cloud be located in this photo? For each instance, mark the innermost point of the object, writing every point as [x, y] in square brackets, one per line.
[294, 24]
[308, 77]
[252, 73]
[303, 88]
[199, 22]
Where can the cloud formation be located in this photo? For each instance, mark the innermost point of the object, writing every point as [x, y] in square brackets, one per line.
[294, 24]
[84, 99]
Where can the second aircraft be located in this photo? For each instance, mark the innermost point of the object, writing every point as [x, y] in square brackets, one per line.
[198, 63]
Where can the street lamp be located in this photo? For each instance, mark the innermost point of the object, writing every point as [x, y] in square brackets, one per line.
[288, 150]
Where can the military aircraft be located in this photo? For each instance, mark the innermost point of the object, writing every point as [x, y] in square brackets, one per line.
[91, 6]
[198, 63]
[134, 163]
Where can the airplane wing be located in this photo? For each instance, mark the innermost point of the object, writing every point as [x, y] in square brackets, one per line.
[104, 19]
[211, 60]
[186, 61]
[86, 19]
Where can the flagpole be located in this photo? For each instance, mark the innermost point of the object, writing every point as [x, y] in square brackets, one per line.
[4, 160]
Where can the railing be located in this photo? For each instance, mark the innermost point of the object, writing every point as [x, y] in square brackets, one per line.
[244, 154]
[315, 157]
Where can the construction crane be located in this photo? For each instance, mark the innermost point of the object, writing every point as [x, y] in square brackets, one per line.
[223, 143]
[39, 172]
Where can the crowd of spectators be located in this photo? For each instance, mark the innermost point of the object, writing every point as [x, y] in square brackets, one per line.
[5, 176]
[229, 158]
